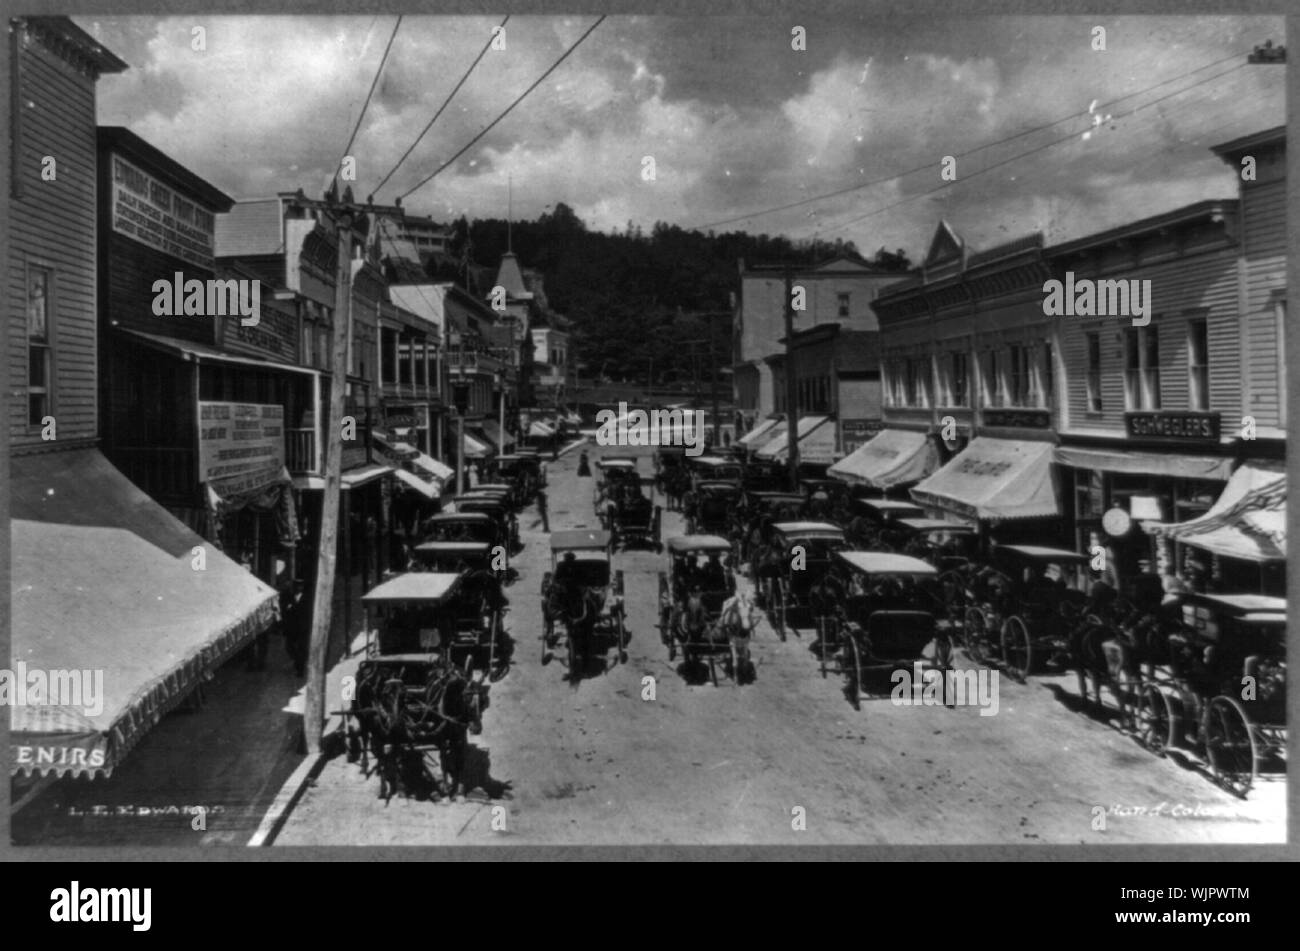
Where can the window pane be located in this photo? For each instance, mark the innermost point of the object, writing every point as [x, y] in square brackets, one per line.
[36, 367]
[38, 287]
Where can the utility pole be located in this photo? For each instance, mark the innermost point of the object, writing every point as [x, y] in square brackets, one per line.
[791, 415]
[327, 554]
[713, 383]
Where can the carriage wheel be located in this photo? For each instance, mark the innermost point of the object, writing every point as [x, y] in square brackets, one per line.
[468, 667]
[977, 636]
[1230, 743]
[1154, 720]
[1017, 649]
[853, 670]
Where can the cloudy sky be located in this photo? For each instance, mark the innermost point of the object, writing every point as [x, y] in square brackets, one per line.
[736, 120]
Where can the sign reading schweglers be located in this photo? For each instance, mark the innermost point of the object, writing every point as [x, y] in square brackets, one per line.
[75, 904]
[241, 446]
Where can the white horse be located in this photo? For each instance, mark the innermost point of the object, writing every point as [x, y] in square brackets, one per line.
[736, 622]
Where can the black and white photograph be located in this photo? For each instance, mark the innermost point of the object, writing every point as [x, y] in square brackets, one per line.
[646, 430]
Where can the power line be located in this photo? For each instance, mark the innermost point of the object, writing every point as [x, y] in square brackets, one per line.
[509, 108]
[347, 149]
[929, 165]
[446, 102]
[1015, 158]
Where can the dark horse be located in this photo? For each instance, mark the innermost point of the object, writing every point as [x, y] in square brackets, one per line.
[577, 607]
[403, 708]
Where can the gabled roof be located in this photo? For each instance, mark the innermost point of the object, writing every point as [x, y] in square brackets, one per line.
[946, 246]
[1231, 150]
[250, 228]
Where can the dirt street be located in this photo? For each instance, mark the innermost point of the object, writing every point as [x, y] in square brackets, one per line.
[596, 764]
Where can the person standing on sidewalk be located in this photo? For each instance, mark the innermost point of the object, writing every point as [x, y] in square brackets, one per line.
[541, 510]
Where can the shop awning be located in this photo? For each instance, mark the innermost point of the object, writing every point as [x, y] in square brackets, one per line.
[473, 449]
[104, 581]
[1126, 461]
[1248, 521]
[758, 436]
[816, 437]
[432, 467]
[501, 439]
[539, 430]
[994, 480]
[893, 457]
[429, 489]
[350, 479]
[393, 446]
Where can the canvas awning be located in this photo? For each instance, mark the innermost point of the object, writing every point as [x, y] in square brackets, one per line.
[432, 468]
[429, 489]
[893, 457]
[349, 479]
[995, 480]
[106, 580]
[539, 430]
[1247, 522]
[816, 437]
[759, 435]
[473, 449]
[1126, 461]
[497, 436]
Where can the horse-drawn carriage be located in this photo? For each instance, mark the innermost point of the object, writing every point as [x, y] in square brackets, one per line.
[671, 476]
[881, 620]
[715, 469]
[700, 612]
[496, 507]
[712, 508]
[1023, 611]
[874, 523]
[583, 593]
[942, 543]
[522, 473]
[614, 471]
[455, 557]
[413, 694]
[1222, 688]
[757, 512]
[791, 568]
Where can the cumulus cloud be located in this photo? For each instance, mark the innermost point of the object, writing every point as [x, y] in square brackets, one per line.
[735, 120]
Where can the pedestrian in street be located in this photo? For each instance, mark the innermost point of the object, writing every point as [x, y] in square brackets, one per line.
[541, 510]
[541, 473]
[584, 467]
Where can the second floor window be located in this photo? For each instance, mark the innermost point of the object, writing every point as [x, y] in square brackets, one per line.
[1198, 365]
[957, 383]
[1019, 384]
[39, 383]
[843, 305]
[1141, 368]
[991, 383]
[1092, 381]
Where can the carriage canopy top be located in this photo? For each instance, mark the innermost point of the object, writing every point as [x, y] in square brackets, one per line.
[886, 563]
[790, 529]
[455, 548]
[1042, 553]
[684, 544]
[444, 517]
[580, 540]
[415, 586]
[617, 462]
[935, 525]
[892, 508]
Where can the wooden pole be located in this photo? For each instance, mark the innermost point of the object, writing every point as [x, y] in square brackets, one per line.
[327, 554]
[791, 411]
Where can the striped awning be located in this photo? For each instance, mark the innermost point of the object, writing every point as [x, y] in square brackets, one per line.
[1247, 522]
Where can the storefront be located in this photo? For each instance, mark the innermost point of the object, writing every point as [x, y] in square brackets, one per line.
[896, 457]
[762, 434]
[1239, 543]
[1114, 492]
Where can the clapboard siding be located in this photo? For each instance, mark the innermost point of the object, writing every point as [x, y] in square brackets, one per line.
[1265, 240]
[129, 290]
[53, 225]
[1181, 289]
